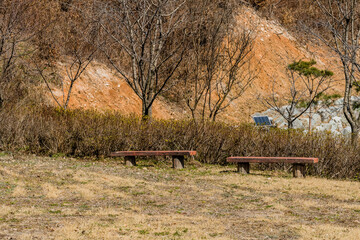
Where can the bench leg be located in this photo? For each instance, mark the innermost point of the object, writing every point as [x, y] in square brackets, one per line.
[178, 162]
[298, 170]
[130, 161]
[243, 168]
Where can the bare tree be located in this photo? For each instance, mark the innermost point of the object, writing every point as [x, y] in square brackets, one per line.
[218, 67]
[342, 35]
[305, 84]
[78, 63]
[146, 44]
[14, 31]
[76, 44]
[229, 73]
[206, 34]
[195, 84]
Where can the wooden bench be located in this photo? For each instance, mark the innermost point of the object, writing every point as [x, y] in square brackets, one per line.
[177, 156]
[298, 163]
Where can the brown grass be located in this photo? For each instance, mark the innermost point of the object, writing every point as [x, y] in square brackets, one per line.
[63, 198]
[84, 133]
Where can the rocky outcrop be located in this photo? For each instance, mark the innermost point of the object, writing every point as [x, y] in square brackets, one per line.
[324, 117]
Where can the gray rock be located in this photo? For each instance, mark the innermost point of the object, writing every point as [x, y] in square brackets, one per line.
[334, 128]
[297, 124]
[315, 120]
[271, 120]
[339, 102]
[346, 131]
[334, 110]
[287, 107]
[335, 132]
[336, 124]
[278, 121]
[324, 118]
[269, 112]
[283, 108]
[305, 122]
[337, 120]
[323, 127]
[324, 114]
[327, 126]
[356, 113]
[343, 120]
[320, 128]
[354, 98]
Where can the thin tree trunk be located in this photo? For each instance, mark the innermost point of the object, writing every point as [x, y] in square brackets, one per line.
[347, 107]
[290, 124]
[146, 111]
[68, 95]
[213, 115]
[355, 135]
[193, 114]
[310, 118]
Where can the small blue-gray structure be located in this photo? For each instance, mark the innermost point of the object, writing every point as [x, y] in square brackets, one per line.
[262, 121]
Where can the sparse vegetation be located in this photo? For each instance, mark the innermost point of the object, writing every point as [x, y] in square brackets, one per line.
[42, 197]
[298, 16]
[327, 99]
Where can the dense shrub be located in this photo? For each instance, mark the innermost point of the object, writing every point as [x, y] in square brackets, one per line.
[82, 133]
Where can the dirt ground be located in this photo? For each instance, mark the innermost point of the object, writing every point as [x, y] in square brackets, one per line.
[62, 198]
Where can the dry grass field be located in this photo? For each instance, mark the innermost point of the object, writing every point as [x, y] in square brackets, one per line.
[62, 198]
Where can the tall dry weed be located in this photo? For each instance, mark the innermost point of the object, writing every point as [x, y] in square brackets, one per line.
[80, 133]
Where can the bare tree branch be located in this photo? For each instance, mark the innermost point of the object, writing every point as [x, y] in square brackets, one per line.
[343, 26]
[148, 40]
[306, 83]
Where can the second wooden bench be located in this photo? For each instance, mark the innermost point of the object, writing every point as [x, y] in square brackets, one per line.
[298, 163]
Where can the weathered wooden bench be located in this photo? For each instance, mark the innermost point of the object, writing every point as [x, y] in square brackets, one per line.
[177, 156]
[298, 163]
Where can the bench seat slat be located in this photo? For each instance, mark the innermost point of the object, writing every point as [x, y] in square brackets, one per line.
[272, 160]
[152, 153]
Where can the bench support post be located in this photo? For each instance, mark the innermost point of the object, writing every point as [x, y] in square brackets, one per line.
[130, 161]
[243, 167]
[299, 170]
[178, 162]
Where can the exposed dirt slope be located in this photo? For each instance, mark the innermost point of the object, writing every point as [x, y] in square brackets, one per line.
[100, 88]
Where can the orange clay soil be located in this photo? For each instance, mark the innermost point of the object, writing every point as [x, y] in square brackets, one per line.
[101, 88]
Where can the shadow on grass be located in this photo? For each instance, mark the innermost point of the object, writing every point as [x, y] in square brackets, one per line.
[145, 165]
[229, 171]
[263, 174]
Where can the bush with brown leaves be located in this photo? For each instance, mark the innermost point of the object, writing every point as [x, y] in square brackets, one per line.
[80, 133]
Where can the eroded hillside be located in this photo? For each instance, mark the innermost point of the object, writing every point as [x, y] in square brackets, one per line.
[101, 88]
